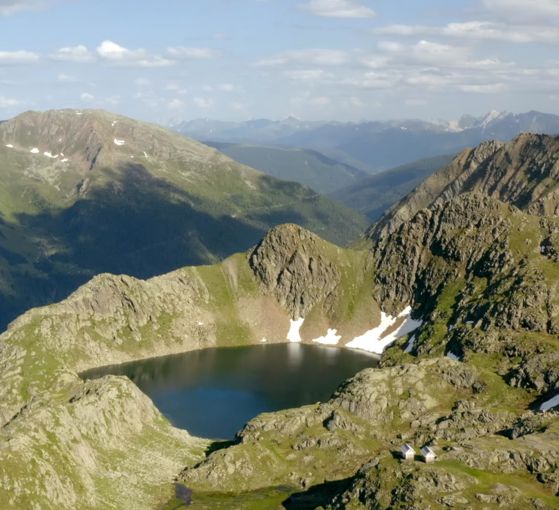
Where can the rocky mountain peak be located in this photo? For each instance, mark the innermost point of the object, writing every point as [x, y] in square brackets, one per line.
[523, 172]
[292, 264]
[93, 138]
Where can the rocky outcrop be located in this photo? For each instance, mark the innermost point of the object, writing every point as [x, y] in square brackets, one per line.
[415, 262]
[292, 264]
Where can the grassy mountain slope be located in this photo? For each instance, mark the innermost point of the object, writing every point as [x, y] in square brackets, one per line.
[374, 195]
[307, 167]
[88, 192]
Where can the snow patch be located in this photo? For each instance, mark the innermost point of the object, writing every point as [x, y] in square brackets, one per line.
[65, 160]
[146, 155]
[451, 355]
[264, 340]
[49, 154]
[295, 326]
[34, 150]
[454, 126]
[377, 339]
[79, 113]
[331, 338]
[113, 123]
[119, 142]
[490, 117]
[550, 404]
[410, 345]
[9, 145]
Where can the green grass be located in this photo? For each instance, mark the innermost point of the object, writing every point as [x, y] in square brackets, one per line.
[486, 481]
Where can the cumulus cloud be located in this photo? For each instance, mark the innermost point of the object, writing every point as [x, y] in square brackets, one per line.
[18, 57]
[338, 9]
[116, 54]
[77, 53]
[312, 56]
[86, 97]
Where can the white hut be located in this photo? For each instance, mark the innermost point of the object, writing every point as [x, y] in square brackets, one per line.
[407, 452]
[428, 454]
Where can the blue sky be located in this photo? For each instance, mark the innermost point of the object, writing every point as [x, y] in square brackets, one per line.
[315, 59]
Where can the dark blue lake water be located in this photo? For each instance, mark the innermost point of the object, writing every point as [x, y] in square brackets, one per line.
[214, 392]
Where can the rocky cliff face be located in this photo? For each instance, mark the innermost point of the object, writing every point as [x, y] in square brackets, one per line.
[522, 172]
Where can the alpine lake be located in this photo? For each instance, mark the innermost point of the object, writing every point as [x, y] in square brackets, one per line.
[212, 393]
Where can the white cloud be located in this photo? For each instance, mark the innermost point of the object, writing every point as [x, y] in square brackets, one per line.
[184, 53]
[18, 57]
[378, 80]
[142, 82]
[77, 53]
[176, 104]
[203, 103]
[428, 52]
[226, 87]
[86, 97]
[8, 7]
[480, 31]
[119, 55]
[307, 75]
[237, 106]
[320, 101]
[355, 102]
[66, 78]
[313, 56]
[486, 88]
[524, 11]
[8, 102]
[338, 9]
[176, 88]
[415, 102]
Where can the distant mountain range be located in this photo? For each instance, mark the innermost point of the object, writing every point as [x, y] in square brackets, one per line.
[87, 192]
[376, 145]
